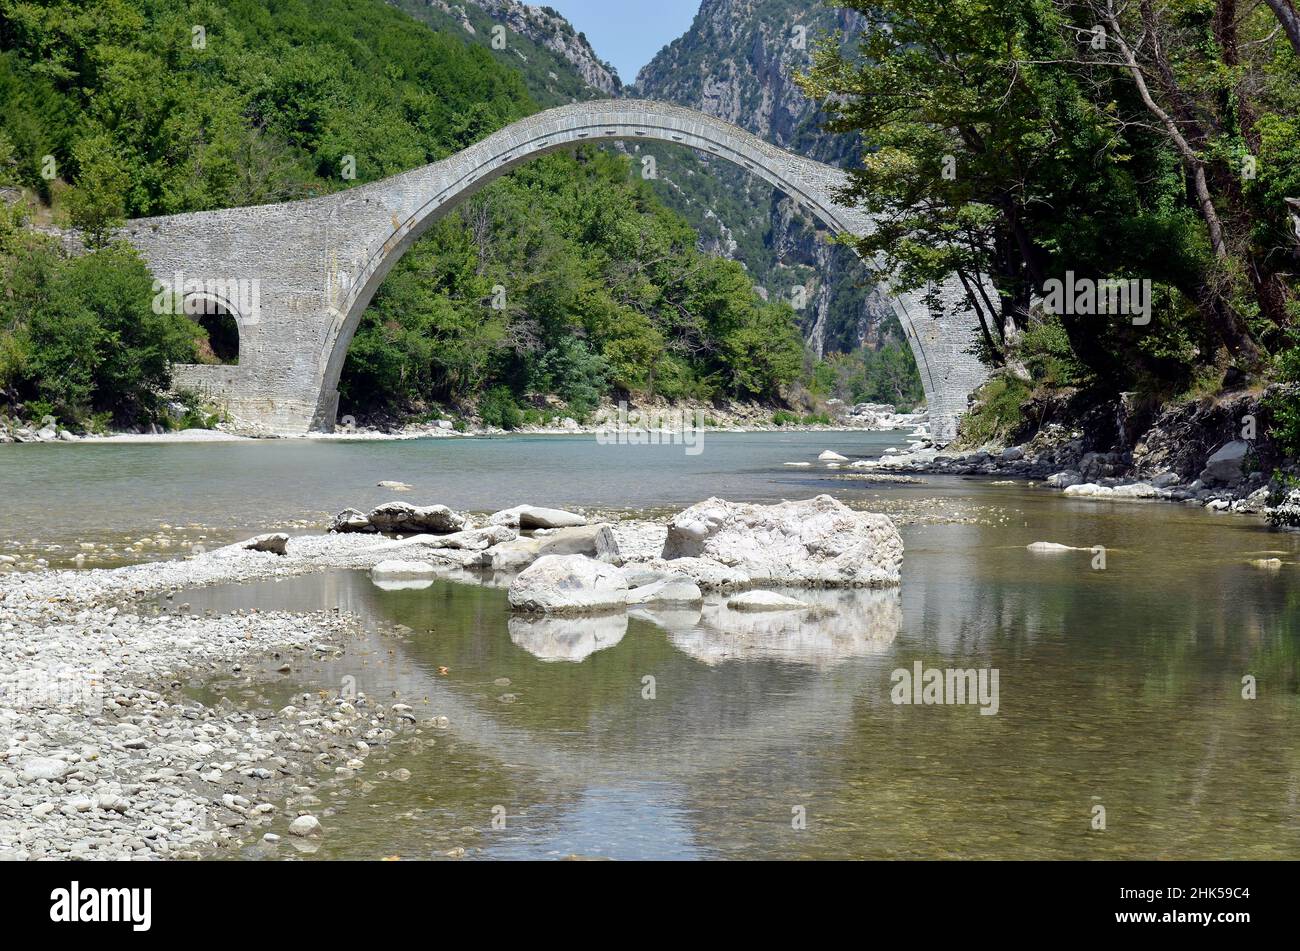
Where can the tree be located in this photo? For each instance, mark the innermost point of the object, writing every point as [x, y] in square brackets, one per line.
[1285, 12]
[95, 343]
[97, 203]
[1014, 142]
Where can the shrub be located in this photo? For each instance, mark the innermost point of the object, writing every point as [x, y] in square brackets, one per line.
[997, 415]
[498, 408]
[575, 374]
[86, 339]
[1285, 407]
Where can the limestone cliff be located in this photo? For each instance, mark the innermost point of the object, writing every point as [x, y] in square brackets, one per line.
[738, 62]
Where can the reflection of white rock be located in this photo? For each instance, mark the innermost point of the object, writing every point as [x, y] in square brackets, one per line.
[1050, 548]
[674, 618]
[569, 639]
[402, 584]
[403, 575]
[842, 624]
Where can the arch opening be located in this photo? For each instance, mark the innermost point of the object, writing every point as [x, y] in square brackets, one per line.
[444, 187]
[219, 343]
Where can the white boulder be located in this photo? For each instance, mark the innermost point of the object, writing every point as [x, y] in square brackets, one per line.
[1063, 480]
[568, 584]
[1136, 490]
[1089, 490]
[274, 543]
[533, 517]
[818, 542]
[350, 520]
[765, 601]
[418, 519]
[676, 589]
[708, 574]
[305, 826]
[44, 767]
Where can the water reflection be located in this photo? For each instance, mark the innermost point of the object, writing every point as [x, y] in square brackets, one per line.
[567, 639]
[1120, 686]
[838, 625]
[402, 584]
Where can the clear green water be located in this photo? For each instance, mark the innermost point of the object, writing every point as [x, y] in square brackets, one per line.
[56, 497]
[1118, 687]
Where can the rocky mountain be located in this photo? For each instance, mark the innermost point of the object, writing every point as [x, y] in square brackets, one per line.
[557, 61]
[737, 62]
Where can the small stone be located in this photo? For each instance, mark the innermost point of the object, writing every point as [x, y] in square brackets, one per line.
[44, 767]
[274, 543]
[305, 826]
[764, 601]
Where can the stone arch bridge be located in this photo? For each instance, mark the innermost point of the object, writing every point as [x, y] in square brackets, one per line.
[298, 276]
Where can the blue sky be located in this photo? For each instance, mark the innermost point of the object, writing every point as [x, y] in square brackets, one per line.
[627, 33]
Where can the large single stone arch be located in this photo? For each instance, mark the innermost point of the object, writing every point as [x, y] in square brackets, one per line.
[314, 265]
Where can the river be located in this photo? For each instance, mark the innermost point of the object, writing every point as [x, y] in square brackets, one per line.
[1120, 686]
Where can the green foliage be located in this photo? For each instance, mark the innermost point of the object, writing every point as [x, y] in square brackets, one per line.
[1048, 355]
[97, 204]
[604, 287]
[575, 374]
[498, 408]
[195, 413]
[998, 413]
[1000, 146]
[567, 277]
[1285, 408]
[887, 375]
[133, 112]
[79, 336]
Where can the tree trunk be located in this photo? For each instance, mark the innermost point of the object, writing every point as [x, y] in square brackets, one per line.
[1290, 20]
[1228, 324]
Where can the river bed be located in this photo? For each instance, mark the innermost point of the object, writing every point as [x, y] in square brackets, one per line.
[1120, 682]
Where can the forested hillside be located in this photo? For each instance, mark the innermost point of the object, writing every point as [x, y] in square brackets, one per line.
[121, 108]
[1036, 145]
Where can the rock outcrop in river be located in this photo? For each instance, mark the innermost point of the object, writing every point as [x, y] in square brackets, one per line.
[818, 542]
